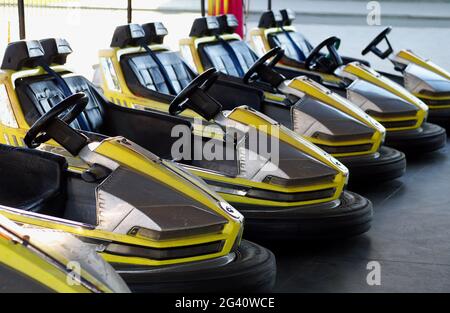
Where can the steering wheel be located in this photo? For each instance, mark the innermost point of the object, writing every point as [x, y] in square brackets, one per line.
[204, 81]
[74, 105]
[331, 61]
[252, 74]
[372, 46]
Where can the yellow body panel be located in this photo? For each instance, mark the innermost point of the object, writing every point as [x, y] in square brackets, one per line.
[258, 120]
[259, 41]
[429, 97]
[413, 58]
[22, 260]
[246, 116]
[111, 149]
[434, 98]
[371, 76]
[274, 97]
[417, 60]
[318, 92]
[303, 86]
[92, 233]
[39, 261]
[125, 96]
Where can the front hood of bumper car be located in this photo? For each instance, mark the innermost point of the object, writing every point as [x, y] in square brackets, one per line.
[152, 210]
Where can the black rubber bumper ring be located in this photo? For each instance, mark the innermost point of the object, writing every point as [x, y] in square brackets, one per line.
[387, 164]
[351, 217]
[252, 270]
[429, 138]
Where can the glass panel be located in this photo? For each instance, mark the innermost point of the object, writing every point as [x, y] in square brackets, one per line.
[110, 74]
[258, 45]
[186, 54]
[7, 117]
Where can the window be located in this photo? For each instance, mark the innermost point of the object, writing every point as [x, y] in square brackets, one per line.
[110, 74]
[258, 44]
[187, 56]
[7, 117]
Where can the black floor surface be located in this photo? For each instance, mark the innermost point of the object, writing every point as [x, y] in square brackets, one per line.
[410, 238]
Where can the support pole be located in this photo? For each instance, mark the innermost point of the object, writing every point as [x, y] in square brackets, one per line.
[202, 3]
[269, 5]
[130, 12]
[21, 8]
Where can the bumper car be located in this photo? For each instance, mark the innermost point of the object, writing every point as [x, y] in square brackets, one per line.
[399, 111]
[34, 260]
[297, 193]
[423, 78]
[160, 227]
[311, 110]
[325, 119]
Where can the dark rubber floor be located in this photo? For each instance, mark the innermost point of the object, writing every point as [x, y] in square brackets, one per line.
[410, 238]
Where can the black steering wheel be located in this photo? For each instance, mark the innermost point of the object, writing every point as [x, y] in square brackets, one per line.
[330, 61]
[74, 105]
[372, 46]
[252, 74]
[203, 81]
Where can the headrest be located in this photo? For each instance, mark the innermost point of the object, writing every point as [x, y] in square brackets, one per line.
[56, 50]
[205, 26]
[270, 19]
[227, 23]
[22, 54]
[155, 32]
[288, 16]
[128, 35]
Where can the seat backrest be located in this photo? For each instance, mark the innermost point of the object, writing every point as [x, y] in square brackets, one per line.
[215, 55]
[32, 180]
[244, 53]
[145, 69]
[93, 113]
[180, 74]
[282, 40]
[38, 95]
[141, 71]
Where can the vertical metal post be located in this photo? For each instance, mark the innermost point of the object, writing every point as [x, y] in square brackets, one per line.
[203, 9]
[269, 5]
[21, 8]
[130, 11]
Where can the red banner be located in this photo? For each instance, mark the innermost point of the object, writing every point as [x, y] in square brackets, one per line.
[218, 7]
